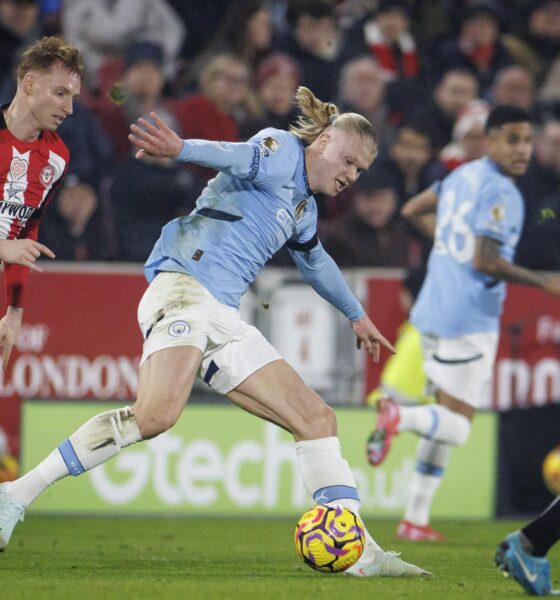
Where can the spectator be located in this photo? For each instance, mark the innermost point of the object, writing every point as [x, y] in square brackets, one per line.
[387, 37]
[145, 195]
[515, 86]
[451, 95]
[139, 93]
[469, 139]
[200, 18]
[246, 31]
[537, 44]
[362, 90]
[75, 229]
[211, 114]
[105, 28]
[409, 160]
[539, 247]
[548, 95]
[277, 79]
[371, 234]
[19, 27]
[477, 47]
[90, 148]
[315, 42]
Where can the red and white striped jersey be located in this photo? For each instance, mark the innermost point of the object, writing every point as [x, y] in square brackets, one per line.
[29, 172]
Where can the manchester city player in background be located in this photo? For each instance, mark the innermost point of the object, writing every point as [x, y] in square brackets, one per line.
[261, 200]
[479, 216]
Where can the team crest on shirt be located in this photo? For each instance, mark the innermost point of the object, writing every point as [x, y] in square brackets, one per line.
[18, 167]
[178, 328]
[269, 144]
[498, 212]
[300, 208]
[46, 175]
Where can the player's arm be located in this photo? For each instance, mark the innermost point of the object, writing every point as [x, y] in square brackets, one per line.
[487, 260]
[159, 140]
[322, 273]
[15, 276]
[420, 210]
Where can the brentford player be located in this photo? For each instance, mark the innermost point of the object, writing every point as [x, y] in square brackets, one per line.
[33, 160]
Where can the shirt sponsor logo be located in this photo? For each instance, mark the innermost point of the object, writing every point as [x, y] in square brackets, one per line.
[16, 211]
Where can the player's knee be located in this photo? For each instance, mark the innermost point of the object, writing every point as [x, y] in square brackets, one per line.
[321, 423]
[153, 422]
[461, 428]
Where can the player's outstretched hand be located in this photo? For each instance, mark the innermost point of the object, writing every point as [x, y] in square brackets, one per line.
[368, 335]
[23, 252]
[552, 285]
[155, 139]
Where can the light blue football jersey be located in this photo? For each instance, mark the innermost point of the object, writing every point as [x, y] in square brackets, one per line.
[259, 201]
[474, 200]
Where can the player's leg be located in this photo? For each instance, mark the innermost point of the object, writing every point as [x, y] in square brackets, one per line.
[277, 393]
[542, 533]
[523, 553]
[172, 355]
[165, 382]
[431, 461]
[461, 370]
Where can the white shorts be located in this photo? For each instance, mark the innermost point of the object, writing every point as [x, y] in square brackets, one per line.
[462, 367]
[176, 310]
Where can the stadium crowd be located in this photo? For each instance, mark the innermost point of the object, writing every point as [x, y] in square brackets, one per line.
[424, 72]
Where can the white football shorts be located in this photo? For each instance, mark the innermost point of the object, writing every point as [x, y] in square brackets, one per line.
[462, 366]
[176, 310]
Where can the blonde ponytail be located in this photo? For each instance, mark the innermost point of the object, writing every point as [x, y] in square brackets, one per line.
[318, 115]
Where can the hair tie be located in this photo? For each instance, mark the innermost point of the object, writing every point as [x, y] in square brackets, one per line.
[332, 119]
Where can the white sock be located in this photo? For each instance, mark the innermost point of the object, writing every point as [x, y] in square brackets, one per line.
[435, 422]
[92, 444]
[431, 460]
[329, 479]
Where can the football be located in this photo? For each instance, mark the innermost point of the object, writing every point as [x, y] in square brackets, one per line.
[551, 471]
[329, 538]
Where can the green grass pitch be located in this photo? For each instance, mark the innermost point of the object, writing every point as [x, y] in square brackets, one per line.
[209, 558]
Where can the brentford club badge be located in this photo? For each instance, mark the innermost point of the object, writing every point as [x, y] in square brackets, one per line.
[46, 175]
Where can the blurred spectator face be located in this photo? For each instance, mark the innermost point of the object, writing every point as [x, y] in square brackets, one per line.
[474, 143]
[144, 79]
[514, 85]
[226, 82]
[19, 16]
[376, 208]
[392, 23]
[455, 91]
[278, 77]
[478, 30]
[511, 146]
[277, 93]
[362, 86]
[549, 145]
[317, 36]
[544, 21]
[259, 29]
[411, 151]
